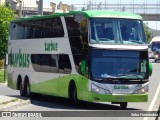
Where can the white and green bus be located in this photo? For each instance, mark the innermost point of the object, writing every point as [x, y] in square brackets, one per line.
[95, 56]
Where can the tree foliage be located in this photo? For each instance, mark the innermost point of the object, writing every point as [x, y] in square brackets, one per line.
[147, 32]
[6, 15]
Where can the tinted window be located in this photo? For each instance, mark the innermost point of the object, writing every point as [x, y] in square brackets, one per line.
[44, 62]
[45, 28]
[51, 63]
[36, 60]
[116, 31]
[20, 31]
[12, 31]
[64, 64]
[73, 26]
[155, 46]
[112, 63]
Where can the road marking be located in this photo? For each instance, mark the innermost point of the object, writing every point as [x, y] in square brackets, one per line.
[153, 101]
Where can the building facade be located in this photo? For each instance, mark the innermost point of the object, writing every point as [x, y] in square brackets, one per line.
[2, 1]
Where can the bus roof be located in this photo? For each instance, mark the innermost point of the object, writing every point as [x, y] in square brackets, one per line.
[89, 14]
[155, 39]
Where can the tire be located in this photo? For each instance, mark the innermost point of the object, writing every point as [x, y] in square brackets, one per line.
[22, 90]
[155, 60]
[28, 91]
[123, 105]
[73, 95]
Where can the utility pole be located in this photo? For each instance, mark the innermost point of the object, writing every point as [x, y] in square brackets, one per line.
[20, 8]
[40, 7]
[105, 4]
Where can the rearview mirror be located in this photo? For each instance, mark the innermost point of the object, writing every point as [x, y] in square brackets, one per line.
[150, 69]
[83, 67]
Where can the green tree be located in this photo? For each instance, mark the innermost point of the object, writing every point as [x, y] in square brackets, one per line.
[6, 15]
[147, 32]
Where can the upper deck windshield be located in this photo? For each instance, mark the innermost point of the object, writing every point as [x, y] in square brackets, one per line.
[116, 31]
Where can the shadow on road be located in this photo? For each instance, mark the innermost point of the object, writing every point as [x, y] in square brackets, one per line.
[63, 103]
[18, 96]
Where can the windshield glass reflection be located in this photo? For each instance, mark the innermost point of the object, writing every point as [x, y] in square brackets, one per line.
[124, 64]
[116, 31]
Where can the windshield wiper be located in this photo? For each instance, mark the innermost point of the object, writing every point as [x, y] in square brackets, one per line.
[133, 75]
[110, 78]
[135, 41]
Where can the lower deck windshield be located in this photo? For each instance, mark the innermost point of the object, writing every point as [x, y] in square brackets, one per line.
[155, 46]
[123, 64]
[116, 31]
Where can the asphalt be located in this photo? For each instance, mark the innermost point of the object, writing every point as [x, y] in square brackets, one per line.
[8, 103]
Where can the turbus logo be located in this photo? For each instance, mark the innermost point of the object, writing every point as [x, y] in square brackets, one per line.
[51, 46]
[19, 59]
[121, 87]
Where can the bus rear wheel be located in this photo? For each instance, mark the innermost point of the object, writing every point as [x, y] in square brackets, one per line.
[28, 90]
[123, 105]
[22, 90]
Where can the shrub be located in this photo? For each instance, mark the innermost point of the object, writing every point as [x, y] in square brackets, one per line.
[1, 63]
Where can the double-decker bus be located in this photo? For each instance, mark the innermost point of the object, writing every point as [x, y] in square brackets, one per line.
[95, 56]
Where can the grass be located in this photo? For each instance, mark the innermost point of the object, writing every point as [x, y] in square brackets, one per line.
[13, 100]
[2, 76]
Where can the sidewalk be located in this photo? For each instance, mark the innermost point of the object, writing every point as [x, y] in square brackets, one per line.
[8, 103]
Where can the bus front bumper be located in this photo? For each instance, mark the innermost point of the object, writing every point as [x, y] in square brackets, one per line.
[94, 97]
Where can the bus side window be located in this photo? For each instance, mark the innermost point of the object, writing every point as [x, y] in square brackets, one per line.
[36, 32]
[20, 31]
[12, 31]
[64, 64]
[35, 59]
[57, 28]
[53, 63]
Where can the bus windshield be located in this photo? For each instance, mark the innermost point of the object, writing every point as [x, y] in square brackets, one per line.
[123, 64]
[116, 31]
[155, 46]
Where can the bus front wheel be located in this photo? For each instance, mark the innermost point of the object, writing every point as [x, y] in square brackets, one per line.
[123, 105]
[73, 95]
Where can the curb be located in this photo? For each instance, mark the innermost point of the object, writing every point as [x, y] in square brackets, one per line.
[5, 83]
[15, 105]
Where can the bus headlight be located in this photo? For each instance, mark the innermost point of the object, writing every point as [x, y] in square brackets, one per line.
[96, 89]
[142, 90]
[156, 56]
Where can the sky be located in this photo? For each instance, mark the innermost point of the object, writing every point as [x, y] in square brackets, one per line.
[151, 24]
